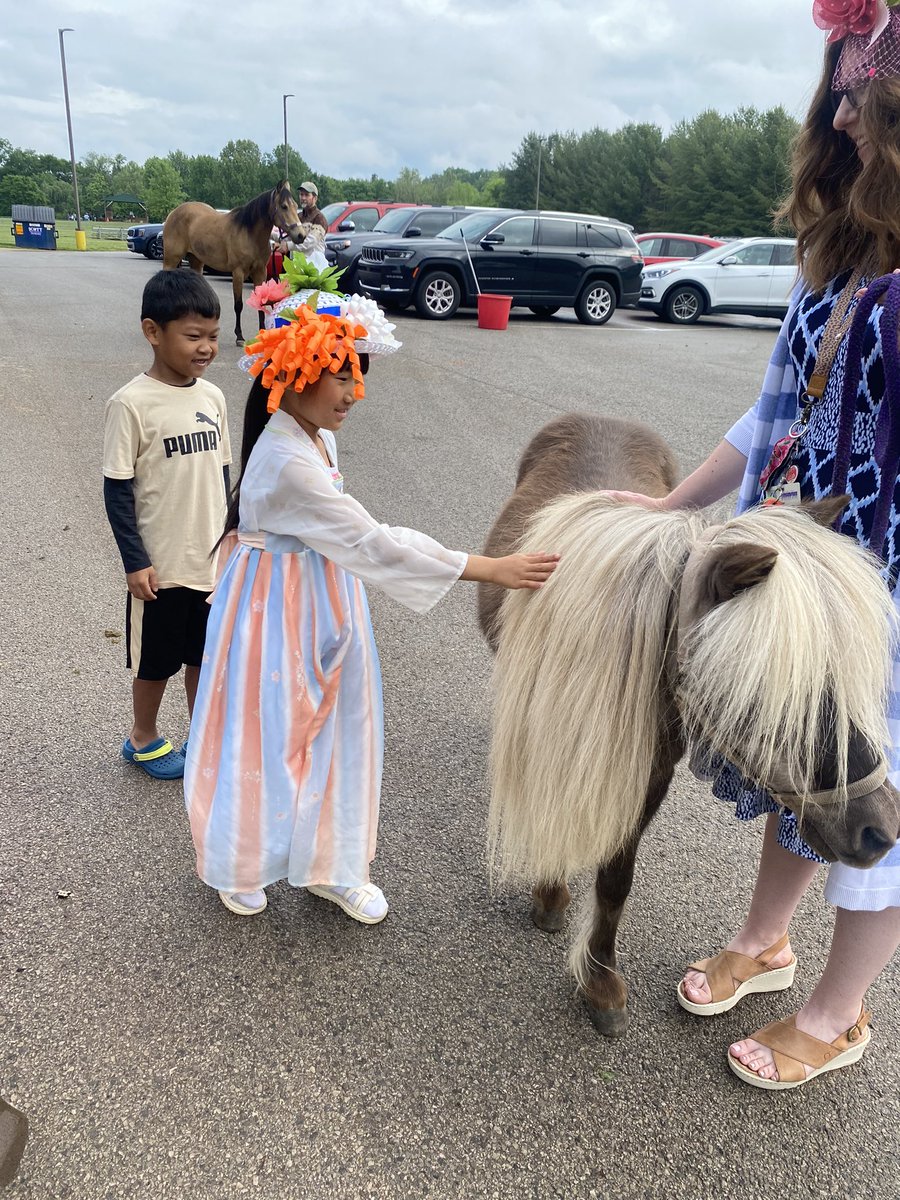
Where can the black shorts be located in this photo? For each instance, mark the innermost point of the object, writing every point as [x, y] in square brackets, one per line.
[165, 634]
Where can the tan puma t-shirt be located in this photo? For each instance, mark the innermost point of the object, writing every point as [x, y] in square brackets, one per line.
[173, 442]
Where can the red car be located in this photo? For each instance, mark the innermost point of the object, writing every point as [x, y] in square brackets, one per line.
[672, 247]
[357, 216]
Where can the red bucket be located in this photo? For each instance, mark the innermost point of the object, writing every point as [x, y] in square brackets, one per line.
[493, 311]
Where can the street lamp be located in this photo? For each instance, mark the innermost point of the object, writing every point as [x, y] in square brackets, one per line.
[284, 100]
[80, 238]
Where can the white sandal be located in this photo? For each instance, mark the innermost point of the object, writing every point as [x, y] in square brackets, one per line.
[245, 904]
[365, 902]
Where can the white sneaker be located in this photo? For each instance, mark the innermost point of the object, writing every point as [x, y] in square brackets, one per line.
[245, 904]
[365, 902]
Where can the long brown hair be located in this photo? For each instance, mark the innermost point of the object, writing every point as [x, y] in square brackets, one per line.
[846, 214]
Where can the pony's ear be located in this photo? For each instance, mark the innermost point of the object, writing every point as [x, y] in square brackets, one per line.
[826, 512]
[733, 569]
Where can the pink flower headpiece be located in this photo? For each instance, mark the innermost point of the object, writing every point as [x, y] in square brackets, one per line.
[870, 32]
[266, 295]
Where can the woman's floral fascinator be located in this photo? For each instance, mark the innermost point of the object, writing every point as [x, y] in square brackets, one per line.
[870, 31]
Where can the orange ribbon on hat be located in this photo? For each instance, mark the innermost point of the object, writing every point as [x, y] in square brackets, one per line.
[295, 355]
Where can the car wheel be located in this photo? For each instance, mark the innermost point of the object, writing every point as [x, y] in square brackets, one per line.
[438, 296]
[545, 310]
[146, 251]
[596, 304]
[156, 247]
[684, 305]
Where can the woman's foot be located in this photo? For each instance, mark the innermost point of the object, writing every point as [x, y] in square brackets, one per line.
[745, 966]
[848, 1031]
[365, 902]
[245, 904]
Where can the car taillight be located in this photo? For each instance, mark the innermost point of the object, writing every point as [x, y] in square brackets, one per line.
[638, 258]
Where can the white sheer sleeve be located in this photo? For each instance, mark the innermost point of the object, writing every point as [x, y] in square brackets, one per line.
[411, 567]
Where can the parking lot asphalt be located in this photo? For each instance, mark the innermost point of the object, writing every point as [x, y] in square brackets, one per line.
[162, 1047]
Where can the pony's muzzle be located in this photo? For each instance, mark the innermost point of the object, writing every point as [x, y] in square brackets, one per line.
[861, 833]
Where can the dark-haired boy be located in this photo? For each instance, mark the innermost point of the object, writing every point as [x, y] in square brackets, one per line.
[165, 466]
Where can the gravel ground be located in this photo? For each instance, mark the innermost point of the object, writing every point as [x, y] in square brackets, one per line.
[163, 1048]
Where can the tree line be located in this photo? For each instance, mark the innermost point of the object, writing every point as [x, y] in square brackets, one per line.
[716, 174]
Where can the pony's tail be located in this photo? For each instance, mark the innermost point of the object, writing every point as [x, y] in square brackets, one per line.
[579, 681]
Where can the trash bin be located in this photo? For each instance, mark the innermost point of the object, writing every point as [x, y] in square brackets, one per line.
[34, 226]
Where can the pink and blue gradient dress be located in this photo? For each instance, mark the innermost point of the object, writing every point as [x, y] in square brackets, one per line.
[283, 773]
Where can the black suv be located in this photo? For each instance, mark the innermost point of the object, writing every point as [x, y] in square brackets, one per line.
[544, 260]
[344, 249]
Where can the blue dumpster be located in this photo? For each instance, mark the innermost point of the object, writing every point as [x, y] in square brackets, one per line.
[34, 226]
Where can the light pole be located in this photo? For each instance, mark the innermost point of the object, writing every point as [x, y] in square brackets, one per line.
[284, 100]
[80, 238]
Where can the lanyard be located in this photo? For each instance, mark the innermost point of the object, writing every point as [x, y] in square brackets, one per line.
[772, 480]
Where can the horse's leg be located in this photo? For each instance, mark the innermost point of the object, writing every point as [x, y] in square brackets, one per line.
[593, 958]
[549, 902]
[237, 287]
[194, 263]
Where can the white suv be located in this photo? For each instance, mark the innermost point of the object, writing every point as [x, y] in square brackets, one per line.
[753, 277]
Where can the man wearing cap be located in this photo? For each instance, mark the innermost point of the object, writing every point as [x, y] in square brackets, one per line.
[308, 195]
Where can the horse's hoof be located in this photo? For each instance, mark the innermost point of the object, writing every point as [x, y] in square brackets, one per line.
[239, 341]
[551, 920]
[611, 1022]
[13, 1136]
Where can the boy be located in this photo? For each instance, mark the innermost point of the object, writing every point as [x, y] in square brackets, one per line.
[165, 466]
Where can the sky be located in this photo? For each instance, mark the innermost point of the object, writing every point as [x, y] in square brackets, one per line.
[389, 83]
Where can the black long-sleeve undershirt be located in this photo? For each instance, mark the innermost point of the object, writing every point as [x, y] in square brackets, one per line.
[118, 496]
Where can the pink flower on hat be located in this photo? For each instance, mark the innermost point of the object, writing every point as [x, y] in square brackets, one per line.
[843, 17]
[264, 295]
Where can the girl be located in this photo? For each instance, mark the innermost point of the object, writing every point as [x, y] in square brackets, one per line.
[845, 205]
[284, 761]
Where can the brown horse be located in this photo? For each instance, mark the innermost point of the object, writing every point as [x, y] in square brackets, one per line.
[656, 631]
[235, 242]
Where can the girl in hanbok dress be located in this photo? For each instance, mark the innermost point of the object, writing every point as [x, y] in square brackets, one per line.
[284, 760]
[832, 387]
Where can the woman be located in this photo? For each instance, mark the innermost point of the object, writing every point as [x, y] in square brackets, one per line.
[845, 205]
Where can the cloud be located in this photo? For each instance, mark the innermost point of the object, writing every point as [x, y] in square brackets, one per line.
[420, 83]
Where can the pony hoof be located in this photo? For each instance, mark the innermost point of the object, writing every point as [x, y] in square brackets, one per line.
[611, 1022]
[551, 920]
[239, 341]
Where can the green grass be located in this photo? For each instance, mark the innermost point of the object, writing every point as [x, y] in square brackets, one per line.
[66, 231]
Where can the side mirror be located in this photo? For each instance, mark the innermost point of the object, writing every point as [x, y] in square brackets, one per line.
[346, 227]
[413, 231]
[493, 239]
[729, 261]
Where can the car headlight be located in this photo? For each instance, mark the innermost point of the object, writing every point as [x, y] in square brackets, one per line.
[399, 254]
[658, 272]
[344, 245]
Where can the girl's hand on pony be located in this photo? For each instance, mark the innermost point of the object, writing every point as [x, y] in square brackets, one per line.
[513, 570]
[660, 503]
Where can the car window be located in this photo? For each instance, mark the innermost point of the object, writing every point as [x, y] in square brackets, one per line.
[650, 247]
[365, 219]
[784, 256]
[331, 211]
[757, 255]
[682, 248]
[602, 237]
[432, 222]
[472, 228]
[557, 233]
[518, 231]
[394, 221]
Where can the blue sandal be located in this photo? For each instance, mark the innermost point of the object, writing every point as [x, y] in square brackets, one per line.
[159, 759]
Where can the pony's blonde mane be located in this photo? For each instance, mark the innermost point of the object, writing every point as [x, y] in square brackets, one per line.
[577, 685]
[579, 688]
[759, 671]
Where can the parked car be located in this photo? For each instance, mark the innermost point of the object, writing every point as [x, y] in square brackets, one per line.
[750, 277]
[358, 216]
[669, 247]
[544, 260]
[344, 249]
[145, 239]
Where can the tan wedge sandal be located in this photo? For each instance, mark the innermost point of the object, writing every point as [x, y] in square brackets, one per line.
[794, 1051]
[731, 976]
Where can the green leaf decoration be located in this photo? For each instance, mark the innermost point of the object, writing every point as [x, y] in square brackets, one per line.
[300, 274]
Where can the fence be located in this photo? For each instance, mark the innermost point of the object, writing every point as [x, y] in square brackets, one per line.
[109, 233]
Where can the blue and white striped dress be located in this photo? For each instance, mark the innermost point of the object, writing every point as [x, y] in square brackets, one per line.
[755, 435]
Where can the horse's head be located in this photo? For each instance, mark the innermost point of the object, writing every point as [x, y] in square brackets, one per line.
[784, 647]
[284, 211]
